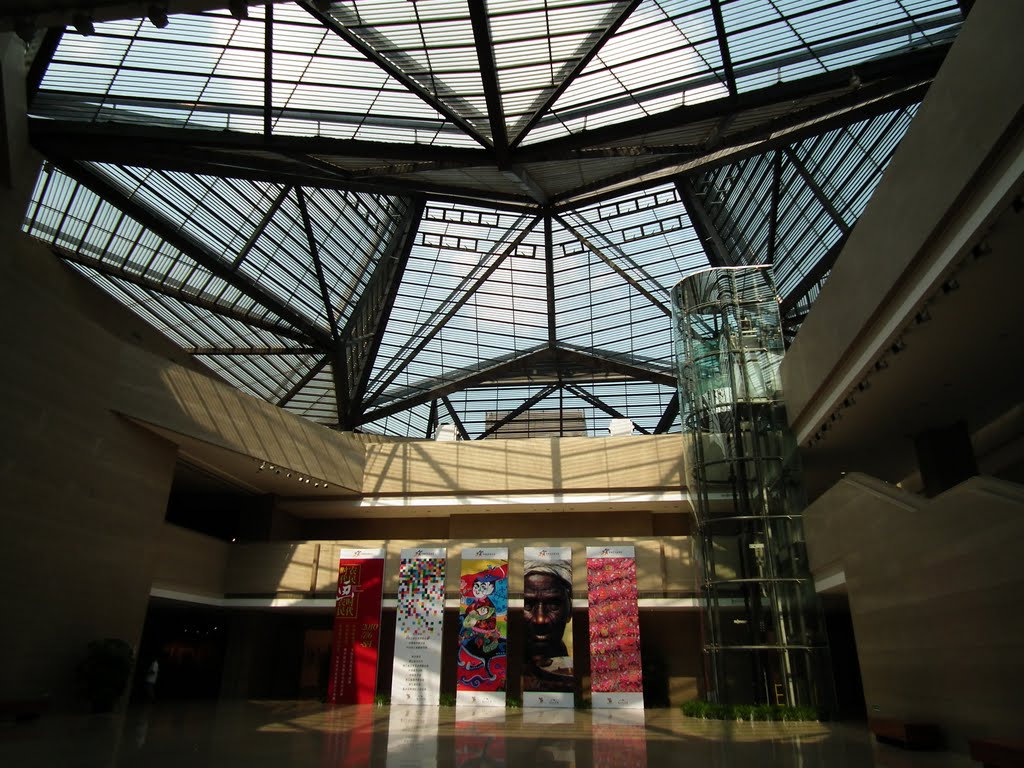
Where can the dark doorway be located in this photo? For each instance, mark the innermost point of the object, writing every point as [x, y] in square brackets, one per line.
[188, 641]
[845, 667]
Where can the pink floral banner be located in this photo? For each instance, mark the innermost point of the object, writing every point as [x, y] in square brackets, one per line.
[615, 671]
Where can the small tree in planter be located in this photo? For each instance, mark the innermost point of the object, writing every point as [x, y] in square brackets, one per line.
[103, 674]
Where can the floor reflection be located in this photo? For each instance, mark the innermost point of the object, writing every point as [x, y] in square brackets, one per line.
[412, 737]
[480, 737]
[619, 738]
[309, 734]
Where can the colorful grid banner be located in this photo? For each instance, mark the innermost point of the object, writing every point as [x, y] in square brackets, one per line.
[547, 678]
[615, 672]
[416, 676]
[353, 677]
[482, 666]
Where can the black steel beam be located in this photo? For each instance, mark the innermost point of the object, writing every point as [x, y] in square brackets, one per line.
[489, 75]
[279, 161]
[775, 133]
[440, 322]
[549, 280]
[191, 248]
[258, 231]
[616, 267]
[517, 411]
[455, 417]
[588, 49]
[177, 140]
[364, 332]
[906, 68]
[251, 351]
[268, 69]
[434, 94]
[816, 190]
[723, 45]
[314, 254]
[718, 255]
[301, 383]
[813, 276]
[157, 286]
[601, 363]
[431, 419]
[430, 393]
[668, 418]
[773, 214]
[41, 61]
[598, 403]
[560, 357]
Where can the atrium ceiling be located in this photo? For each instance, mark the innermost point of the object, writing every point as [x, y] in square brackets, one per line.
[384, 216]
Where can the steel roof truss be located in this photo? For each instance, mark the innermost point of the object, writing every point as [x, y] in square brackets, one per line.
[158, 286]
[436, 323]
[455, 417]
[435, 95]
[314, 254]
[489, 75]
[599, 404]
[718, 255]
[588, 49]
[668, 418]
[361, 338]
[307, 377]
[613, 263]
[816, 190]
[190, 247]
[517, 411]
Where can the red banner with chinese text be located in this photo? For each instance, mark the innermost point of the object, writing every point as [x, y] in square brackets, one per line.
[357, 607]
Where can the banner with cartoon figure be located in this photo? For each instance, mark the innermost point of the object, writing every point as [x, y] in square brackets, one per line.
[547, 677]
[615, 673]
[483, 627]
[416, 677]
[353, 677]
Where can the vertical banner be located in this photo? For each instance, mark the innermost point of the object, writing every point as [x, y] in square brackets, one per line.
[547, 634]
[356, 626]
[416, 678]
[615, 673]
[482, 666]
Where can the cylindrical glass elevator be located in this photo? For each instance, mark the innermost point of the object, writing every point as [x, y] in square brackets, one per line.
[763, 632]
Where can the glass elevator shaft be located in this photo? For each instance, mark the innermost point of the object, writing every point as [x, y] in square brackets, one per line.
[762, 628]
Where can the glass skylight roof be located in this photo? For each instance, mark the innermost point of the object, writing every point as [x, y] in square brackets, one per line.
[467, 213]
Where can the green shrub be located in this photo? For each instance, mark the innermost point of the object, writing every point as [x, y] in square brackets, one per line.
[447, 700]
[743, 711]
[765, 712]
[695, 708]
[511, 703]
[382, 700]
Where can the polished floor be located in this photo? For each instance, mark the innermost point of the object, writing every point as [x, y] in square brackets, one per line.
[260, 734]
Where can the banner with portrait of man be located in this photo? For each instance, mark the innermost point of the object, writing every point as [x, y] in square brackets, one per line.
[547, 676]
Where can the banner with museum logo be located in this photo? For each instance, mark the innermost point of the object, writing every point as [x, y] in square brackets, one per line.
[353, 678]
[615, 672]
[482, 666]
[547, 677]
[416, 676]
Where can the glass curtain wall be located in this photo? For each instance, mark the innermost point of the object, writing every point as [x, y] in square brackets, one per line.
[763, 633]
